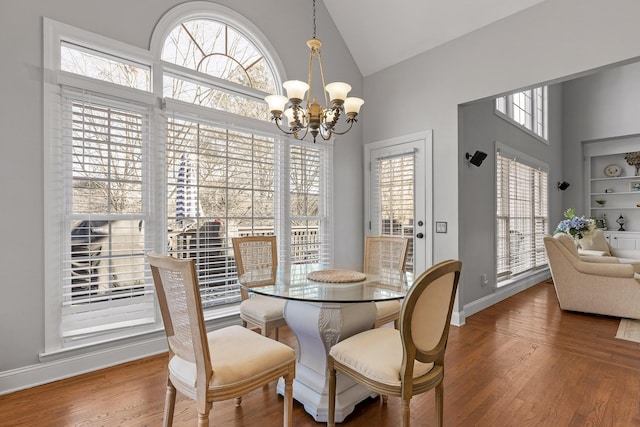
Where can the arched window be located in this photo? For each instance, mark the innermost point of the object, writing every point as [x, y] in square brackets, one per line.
[125, 177]
[211, 59]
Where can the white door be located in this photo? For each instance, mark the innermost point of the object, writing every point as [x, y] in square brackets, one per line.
[398, 188]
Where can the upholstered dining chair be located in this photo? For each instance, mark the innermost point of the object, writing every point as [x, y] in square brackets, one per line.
[255, 254]
[214, 366]
[385, 252]
[408, 361]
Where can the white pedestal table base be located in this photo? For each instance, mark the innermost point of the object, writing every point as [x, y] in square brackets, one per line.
[318, 326]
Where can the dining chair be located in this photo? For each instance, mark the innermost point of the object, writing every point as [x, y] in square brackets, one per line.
[214, 366]
[408, 361]
[385, 252]
[259, 254]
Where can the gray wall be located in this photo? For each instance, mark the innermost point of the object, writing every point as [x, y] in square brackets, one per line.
[21, 164]
[602, 105]
[549, 42]
[480, 130]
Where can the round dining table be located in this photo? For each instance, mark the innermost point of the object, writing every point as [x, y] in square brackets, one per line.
[325, 306]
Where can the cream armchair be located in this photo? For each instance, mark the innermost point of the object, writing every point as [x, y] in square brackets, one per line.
[598, 246]
[592, 284]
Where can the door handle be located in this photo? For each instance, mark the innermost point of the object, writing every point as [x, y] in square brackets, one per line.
[419, 235]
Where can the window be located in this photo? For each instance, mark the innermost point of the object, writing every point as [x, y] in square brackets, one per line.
[526, 109]
[522, 216]
[125, 177]
[394, 198]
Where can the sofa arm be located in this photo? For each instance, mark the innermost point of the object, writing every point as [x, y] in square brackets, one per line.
[605, 269]
[589, 252]
[600, 259]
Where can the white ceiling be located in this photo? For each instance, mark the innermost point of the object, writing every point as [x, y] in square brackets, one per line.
[381, 33]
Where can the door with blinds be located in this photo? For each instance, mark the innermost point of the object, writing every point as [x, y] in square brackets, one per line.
[399, 194]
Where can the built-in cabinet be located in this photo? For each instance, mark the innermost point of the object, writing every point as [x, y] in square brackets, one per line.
[609, 197]
[623, 239]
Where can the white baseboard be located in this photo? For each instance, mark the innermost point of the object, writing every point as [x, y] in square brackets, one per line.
[458, 318]
[46, 372]
[505, 292]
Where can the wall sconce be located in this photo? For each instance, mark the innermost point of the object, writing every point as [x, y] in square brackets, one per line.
[563, 185]
[477, 158]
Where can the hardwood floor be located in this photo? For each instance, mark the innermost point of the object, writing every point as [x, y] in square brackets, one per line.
[522, 362]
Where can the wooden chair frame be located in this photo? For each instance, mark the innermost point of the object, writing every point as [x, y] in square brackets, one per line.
[190, 343]
[247, 319]
[410, 386]
[369, 266]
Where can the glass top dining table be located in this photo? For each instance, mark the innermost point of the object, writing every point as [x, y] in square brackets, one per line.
[292, 282]
[322, 313]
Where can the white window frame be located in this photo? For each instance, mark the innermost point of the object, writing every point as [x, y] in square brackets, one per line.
[56, 80]
[505, 108]
[533, 163]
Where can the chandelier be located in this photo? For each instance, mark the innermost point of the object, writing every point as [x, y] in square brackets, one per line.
[300, 115]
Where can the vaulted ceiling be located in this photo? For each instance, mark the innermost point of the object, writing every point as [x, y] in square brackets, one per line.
[382, 33]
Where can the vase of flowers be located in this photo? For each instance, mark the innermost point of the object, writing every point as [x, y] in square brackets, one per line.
[578, 227]
[633, 159]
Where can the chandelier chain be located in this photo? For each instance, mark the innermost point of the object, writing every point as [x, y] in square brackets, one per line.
[314, 19]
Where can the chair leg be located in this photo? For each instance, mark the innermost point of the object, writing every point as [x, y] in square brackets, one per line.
[396, 323]
[238, 401]
[383, 399]
[169, 405]
[406, 412]
[277, 334]
[203, 414]
[203, 420]
[440, 404]
[331, 416]
[288, 400]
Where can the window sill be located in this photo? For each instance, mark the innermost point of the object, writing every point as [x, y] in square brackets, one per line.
[215, 319]
[519, 126]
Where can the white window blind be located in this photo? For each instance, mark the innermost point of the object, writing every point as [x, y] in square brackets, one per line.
[521, 217]
[309, 181]
[220, 185]
[104, 279]
[393, 198]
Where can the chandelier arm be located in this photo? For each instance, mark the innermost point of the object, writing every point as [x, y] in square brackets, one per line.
[296, 111]
[336, 117]
[329, 135]
[283, 130]
[300, 138]
[351, 122]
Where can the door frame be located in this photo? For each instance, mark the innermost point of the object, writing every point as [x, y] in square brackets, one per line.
[422, 175]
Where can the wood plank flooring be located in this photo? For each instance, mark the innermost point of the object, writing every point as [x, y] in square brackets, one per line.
[522, 362]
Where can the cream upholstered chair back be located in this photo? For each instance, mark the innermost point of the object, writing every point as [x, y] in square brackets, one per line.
[409, 361]
[426, 315]
[385, 252]
[256, 254]
[179, 297]
[598, 242]
[569, 244]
